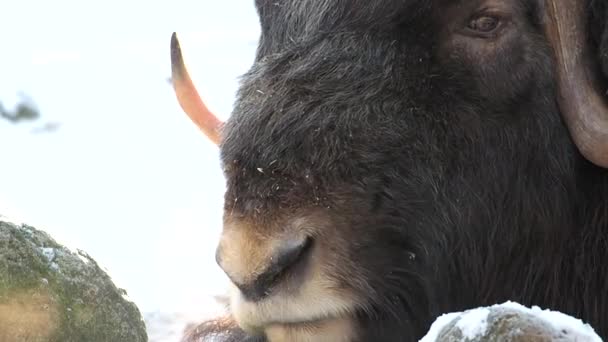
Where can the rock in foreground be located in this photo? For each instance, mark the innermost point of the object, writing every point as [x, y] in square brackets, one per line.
[51, 294]
[509, 322]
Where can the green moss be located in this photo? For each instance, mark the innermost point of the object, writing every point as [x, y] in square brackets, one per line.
[84, 301]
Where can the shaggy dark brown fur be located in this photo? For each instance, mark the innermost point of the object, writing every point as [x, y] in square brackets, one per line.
[433, 143]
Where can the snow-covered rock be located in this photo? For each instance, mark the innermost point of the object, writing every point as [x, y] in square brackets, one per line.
[509, 322]
[49, 293]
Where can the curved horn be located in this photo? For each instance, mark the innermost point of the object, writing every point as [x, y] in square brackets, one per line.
[188, 97]
[580, 96]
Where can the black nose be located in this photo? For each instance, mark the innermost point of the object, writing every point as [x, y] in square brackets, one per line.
[286, 257]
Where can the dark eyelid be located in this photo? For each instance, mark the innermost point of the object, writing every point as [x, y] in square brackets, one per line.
[499, 13]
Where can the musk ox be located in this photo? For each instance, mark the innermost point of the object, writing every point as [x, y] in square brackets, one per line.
[391, 160]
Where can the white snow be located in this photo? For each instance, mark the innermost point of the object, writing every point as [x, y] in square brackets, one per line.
[48, 252]
[474, 323]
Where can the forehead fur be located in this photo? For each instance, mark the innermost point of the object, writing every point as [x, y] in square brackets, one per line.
[336, 91]
[311, 15]
[318, 66]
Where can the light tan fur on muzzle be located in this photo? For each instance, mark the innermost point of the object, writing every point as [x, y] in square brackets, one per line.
[334, 330]
[245, 253]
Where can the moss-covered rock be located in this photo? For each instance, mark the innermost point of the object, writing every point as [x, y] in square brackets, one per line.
[51, 294]
[510, 322]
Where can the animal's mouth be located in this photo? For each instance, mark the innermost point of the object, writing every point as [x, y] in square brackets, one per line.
[284, 313]
[327, 329]
[305, 298]
[311, 322]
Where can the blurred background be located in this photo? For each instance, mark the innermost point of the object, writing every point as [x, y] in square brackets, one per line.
[95, 149]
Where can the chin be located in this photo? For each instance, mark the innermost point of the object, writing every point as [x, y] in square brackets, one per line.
[310, 312]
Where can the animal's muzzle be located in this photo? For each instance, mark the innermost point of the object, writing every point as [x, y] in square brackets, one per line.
[278, 262]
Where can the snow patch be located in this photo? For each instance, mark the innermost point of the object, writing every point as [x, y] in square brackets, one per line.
[48, 252]
[474, 323]
[27, 230]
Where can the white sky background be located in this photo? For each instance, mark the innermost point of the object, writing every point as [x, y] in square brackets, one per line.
[127, 177]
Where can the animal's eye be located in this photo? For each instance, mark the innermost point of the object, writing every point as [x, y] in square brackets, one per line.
[484, 24]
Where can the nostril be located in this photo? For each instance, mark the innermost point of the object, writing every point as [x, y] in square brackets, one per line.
[287, 256]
